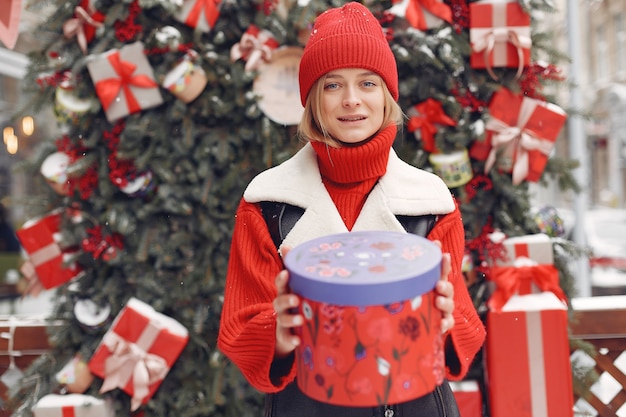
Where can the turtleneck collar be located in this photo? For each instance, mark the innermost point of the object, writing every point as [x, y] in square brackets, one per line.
[358, 163]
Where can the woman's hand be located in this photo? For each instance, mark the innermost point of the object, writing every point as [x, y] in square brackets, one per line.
[286, 320]
[445, 294]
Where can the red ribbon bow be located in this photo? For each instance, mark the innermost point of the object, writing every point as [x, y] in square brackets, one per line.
[211, 12]
[509, 280]
[503, 35]
[129, 360]
[255, 46]
[108, 89]
[429, 112]
[415, 12]
[83, 26]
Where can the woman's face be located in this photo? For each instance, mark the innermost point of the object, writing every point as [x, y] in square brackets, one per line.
[353, 104]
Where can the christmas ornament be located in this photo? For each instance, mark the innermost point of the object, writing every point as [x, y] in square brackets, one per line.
[453, 168]
[68, 107]
[100, 246]
[10, 22]
[124, 81]
[277, 86]
[499, 35]
[84, 24]
[199, 14]
[75, 375]
[91, 316]
[142, 186]
[422, 14]
[186, 80]
[137, 351]
[549, 222]
[167, 37]
[255, 47]
[54, 170]
[72, 405]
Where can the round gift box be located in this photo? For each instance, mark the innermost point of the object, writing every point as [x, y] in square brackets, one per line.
[371, 332]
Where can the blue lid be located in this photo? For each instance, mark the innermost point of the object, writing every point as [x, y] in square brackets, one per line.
[364, 268]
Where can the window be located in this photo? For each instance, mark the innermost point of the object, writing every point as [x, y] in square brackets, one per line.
[602, 58]
[620, 44]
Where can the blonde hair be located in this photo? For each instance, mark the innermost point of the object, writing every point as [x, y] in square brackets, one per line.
[312, 128]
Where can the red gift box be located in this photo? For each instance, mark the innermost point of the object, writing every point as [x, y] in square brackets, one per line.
[527, 353]
[72, 405]
[40, 238]
[124, 81]
[499, 35]
[199, 14]
[521, 133]
[137, 352]
[468, 398]
[536, 248]
[527, 268]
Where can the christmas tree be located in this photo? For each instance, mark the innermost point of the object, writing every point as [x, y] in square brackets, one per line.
[167, 108]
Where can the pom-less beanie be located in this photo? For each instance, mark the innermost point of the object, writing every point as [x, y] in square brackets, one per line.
[347, 37]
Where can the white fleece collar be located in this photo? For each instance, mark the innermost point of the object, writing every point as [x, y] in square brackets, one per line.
[403, 190]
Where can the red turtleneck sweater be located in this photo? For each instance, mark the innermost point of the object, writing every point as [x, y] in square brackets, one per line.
[350, 172]
[247, 333]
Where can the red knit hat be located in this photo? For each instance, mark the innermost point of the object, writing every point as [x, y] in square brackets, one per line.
[347, 37]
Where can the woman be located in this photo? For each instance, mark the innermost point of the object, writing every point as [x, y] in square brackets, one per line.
[346, 178]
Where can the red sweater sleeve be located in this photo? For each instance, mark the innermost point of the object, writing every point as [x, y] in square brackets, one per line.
[247, 333]
[468, 333]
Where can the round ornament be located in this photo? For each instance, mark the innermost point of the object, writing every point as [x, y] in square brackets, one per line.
[142, 186]
[91, 316]
[453, 168]
[549, 222]
[277, 86]
[75, 375]
[186, 80]
[54, 170]
[68, 107]
[168, 37]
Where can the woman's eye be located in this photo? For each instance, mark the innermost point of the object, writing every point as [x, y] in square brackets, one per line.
[369, 84]
[331, 86]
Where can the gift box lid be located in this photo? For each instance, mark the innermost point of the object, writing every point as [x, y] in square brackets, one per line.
[85, 405]
[364, 268]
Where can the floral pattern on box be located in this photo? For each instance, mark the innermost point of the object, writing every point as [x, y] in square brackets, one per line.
[371, 333]
[370, 355]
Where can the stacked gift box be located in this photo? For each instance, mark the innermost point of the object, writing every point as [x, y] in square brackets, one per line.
[72, 405]
[468, 397]
[527, 349]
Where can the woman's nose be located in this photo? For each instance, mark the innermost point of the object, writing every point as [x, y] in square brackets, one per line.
[351, 98]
